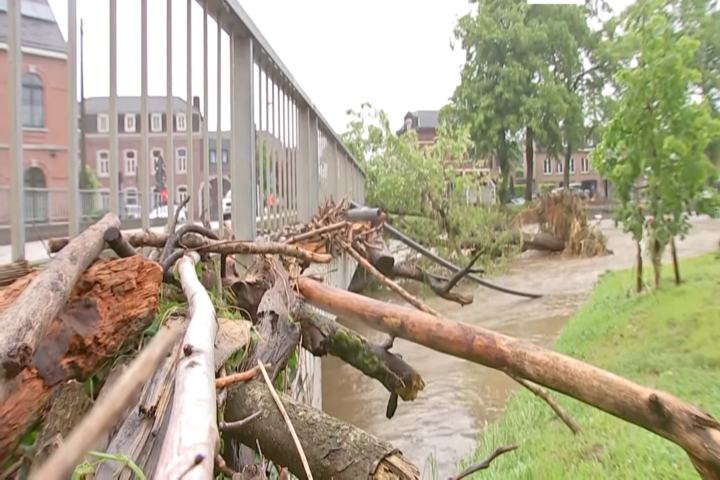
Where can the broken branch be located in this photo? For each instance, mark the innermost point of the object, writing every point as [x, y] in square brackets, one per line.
[485, 463]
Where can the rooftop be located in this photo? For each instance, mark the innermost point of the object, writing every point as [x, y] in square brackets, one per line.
[38, 27]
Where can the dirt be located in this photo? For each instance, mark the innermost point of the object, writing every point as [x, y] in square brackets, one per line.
[460, 397]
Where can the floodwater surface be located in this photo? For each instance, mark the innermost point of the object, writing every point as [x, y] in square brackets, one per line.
[460, 397]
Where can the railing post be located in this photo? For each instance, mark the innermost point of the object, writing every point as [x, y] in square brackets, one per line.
[17, 183]
[307, 165]
[113, 113]
[72, 154]
[242, 142]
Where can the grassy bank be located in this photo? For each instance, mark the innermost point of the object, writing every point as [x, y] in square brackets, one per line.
[666, 339]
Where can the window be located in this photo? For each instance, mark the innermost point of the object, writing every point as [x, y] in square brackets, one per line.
[130, 163]
[103, 123]
[181, 166]
[33, 108]
[547, 166]
[131, 196]
[182, 193]
[585, 165]
[103, 164]
[558, 166]
[104, 199]
[213, 158]
[156, 122]
[224, 156]
[129, 122]
[181, 122]
[572, 165]
[156, 157]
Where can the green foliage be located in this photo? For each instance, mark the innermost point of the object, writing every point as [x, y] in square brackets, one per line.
[546, 187]
[666, 339]
[519, 191]
[660, 132]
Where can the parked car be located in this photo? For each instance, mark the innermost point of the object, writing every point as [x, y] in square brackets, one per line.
[162, 212]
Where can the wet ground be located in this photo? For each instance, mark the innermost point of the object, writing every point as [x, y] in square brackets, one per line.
[461, 397]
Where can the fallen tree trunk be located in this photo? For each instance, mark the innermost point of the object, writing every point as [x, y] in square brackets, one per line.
[327, 337]
[379, 254]
[113, 302]
[26, 320]
[542, 241]
[688, 426]
[193, 241]
[334, 449]
[192, 434]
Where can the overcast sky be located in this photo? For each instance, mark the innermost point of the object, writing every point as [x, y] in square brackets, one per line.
[393, 54]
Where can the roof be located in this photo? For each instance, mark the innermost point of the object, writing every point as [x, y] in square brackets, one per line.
[95, 105]
[422, 120]
[38, 26]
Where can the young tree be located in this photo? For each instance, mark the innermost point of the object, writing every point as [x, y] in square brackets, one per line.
[660, 132]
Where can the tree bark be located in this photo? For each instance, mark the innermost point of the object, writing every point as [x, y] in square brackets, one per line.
[327, 337]
[192, 431]
[26, 320]
[278, 335]
[115, 240]
[203, 244]
[542, 241]
[638, 268]
[334, 449]
[688, 426]
[114, 302]
[379, 254]
[529, 162]
[676, 266]
[12, 271]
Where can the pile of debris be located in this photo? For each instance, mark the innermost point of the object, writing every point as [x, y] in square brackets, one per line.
[188, 393]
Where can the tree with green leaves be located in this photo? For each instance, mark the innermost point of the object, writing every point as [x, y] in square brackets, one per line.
[660, 133]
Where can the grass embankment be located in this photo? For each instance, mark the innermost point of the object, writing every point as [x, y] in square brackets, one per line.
[666, 339]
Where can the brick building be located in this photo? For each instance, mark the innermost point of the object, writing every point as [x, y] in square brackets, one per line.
[96, 124]
[44, 108]
[549, 170]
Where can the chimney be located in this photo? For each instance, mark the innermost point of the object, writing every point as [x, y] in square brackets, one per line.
[196, 102]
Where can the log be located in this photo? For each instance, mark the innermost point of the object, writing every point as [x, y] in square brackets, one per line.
[334, 449]
[227, 247]
[114, 302]
[192, 434]
[327, 337]
[542, 241]
[107, 411]
[26, 320]
[410, 271]
[12, 271]
[114, 239]
[684, 424]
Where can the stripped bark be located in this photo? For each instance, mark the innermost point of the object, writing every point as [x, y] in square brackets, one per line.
[113, 303]
[106, 412]
[27, 319]
[688, 426]
[192, 437]
[194, 241]
[334, 449]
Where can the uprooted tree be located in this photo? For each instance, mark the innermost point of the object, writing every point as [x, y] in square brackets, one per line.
[202, 376]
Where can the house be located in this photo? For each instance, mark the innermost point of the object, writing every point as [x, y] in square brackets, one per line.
[549, 170]
[268, 146]
[44, 108]
[96, 126]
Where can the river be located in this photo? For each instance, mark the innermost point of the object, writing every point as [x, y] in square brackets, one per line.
[460, 397]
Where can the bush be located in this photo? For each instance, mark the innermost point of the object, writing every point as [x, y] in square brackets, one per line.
[546, 187]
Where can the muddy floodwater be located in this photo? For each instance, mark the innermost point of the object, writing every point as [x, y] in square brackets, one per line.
[461, 397]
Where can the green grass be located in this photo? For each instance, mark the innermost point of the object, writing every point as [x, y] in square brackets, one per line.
[666, 339]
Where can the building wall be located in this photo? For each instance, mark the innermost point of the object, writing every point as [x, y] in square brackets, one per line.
[44, 148]
[588, 177]
[96, 143]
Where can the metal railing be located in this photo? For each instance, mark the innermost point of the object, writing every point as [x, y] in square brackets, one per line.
[284, 157]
